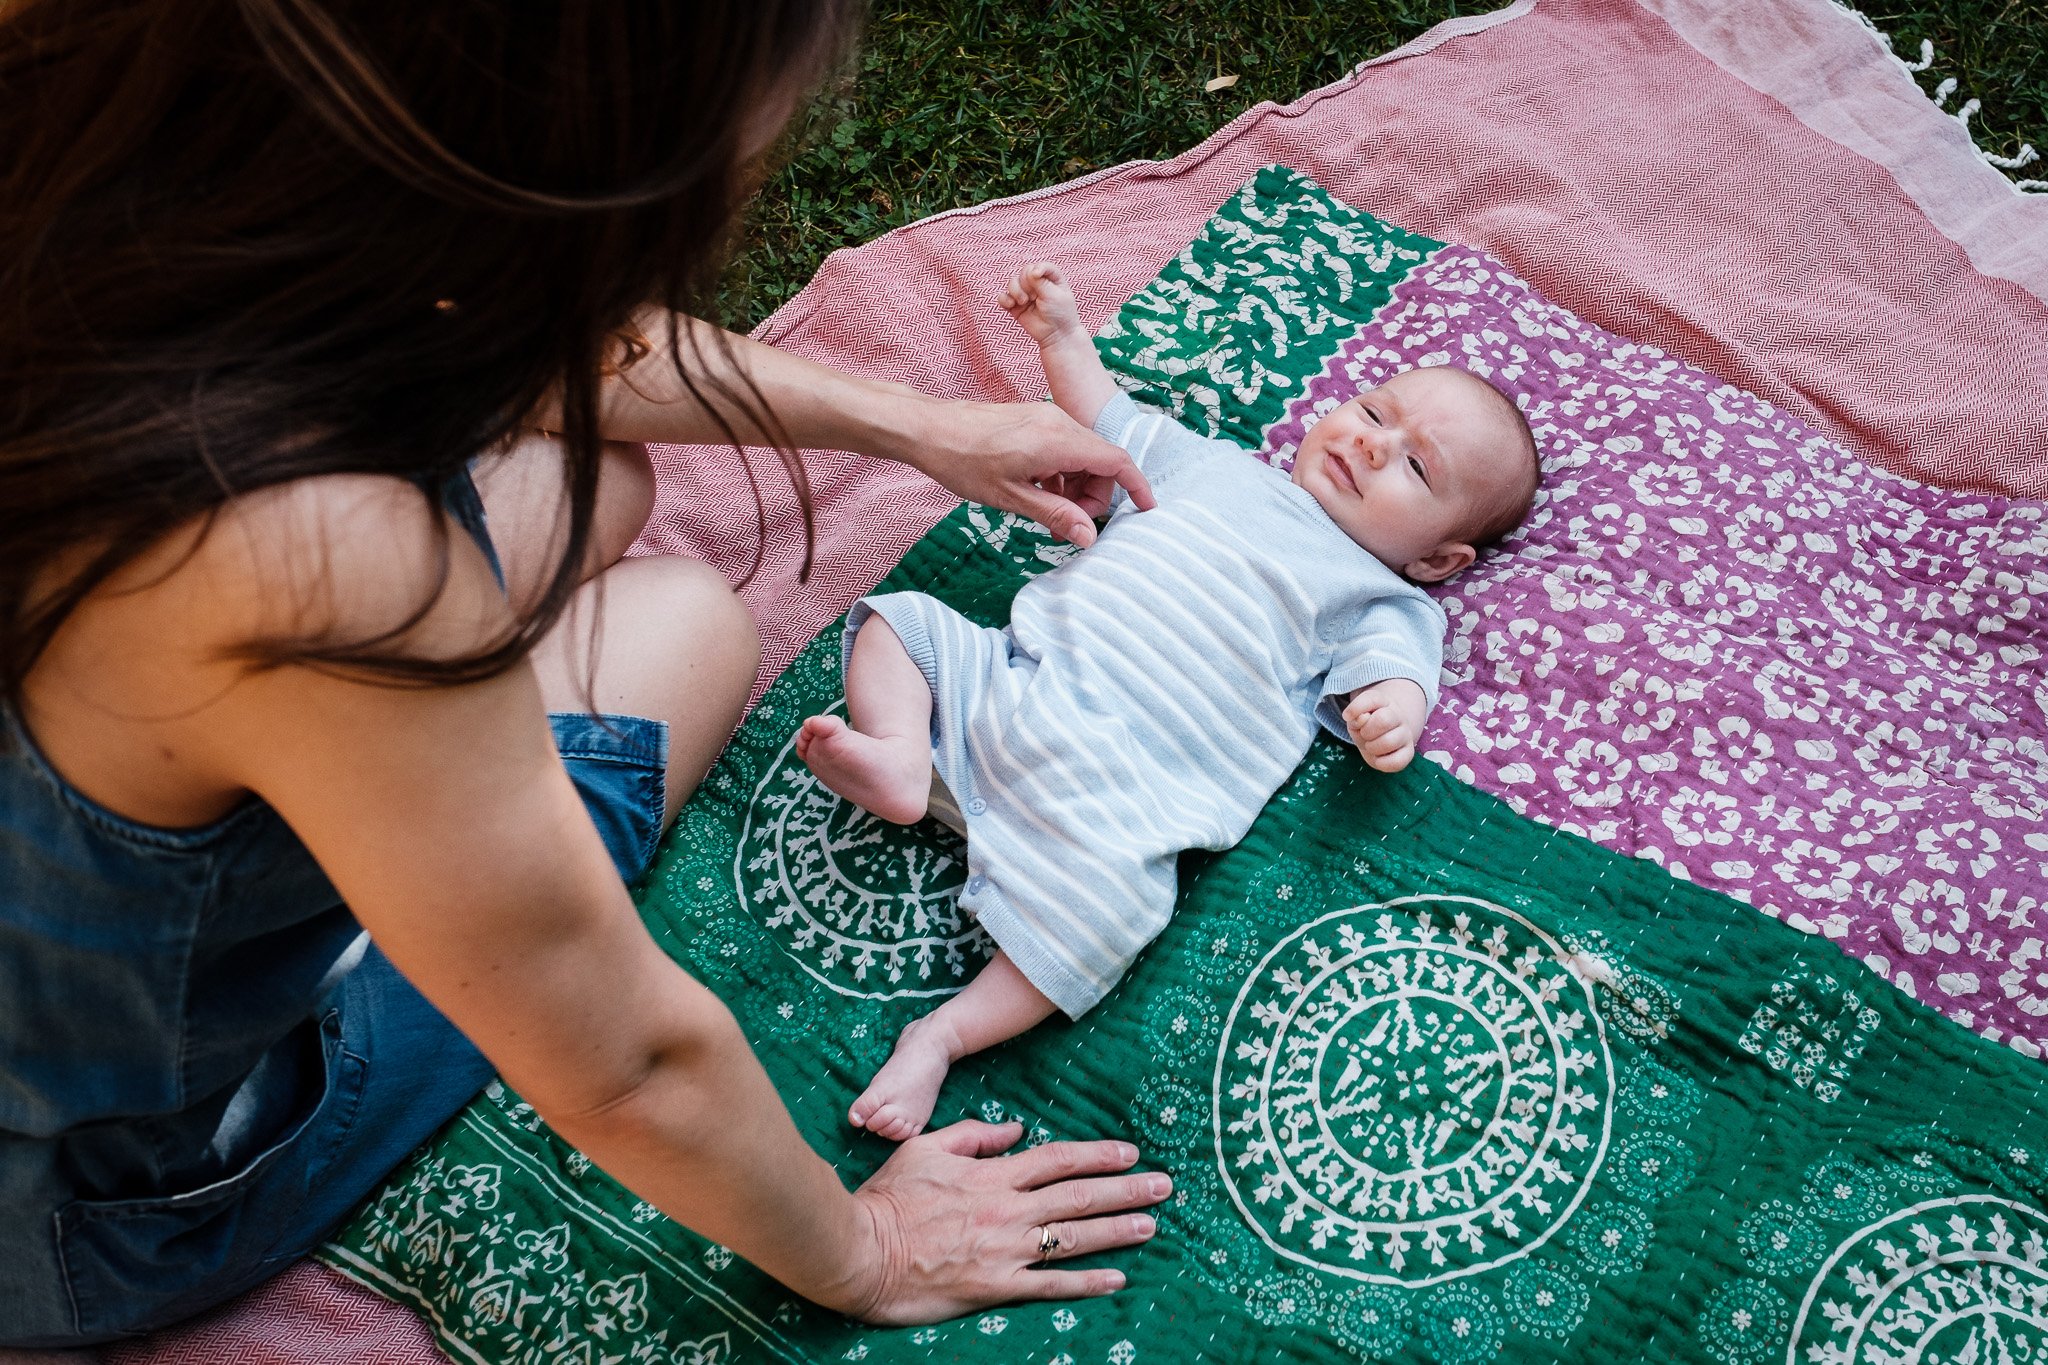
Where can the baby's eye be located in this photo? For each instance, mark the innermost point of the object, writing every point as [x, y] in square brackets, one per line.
[1420, 472]
[1375, 417]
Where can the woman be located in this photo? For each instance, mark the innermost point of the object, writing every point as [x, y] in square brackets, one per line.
[274, 277]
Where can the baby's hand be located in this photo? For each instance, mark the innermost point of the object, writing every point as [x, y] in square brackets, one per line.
[1385, 721]
[1042, 304]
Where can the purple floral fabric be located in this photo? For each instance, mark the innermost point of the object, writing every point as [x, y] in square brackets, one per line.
[1722, 643]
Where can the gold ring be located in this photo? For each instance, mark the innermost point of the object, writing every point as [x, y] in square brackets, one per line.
[1047, 1244]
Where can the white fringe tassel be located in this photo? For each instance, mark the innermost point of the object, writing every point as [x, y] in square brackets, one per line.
[2026, 154]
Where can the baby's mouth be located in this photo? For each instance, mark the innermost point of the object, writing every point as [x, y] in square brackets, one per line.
[1340, 471]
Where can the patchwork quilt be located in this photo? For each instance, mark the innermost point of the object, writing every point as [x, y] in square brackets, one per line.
[1437, 1081]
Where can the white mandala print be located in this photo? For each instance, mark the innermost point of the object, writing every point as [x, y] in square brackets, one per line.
[1411, 1092]
[1950, 1280]
[869, 908]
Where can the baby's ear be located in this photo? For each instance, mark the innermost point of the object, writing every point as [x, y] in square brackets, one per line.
[1440, 563]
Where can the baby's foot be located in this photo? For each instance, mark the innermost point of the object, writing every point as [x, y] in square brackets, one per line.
[898, 1101]
[886, 776]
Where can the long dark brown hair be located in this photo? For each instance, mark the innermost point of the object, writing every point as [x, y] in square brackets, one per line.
[249, 241]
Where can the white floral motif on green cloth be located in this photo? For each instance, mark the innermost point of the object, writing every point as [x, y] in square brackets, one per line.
[1412, 1092]
[1843, 1188]
[1780, 1238]
[1960, 1279]
[1744, 1323]
[1460, 1325]
[1180, 1025]
[1019, 539]
[1373, 1319]
[1812, 1029]
[1235, 324]
[865, 907]
[1611, 1237]
[1651, 1166]
[1545, 1302]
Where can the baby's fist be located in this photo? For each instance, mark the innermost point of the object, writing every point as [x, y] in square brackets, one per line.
[1385, 721]
[1042, 303]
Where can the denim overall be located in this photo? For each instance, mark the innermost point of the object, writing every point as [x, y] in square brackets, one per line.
[204, 1063]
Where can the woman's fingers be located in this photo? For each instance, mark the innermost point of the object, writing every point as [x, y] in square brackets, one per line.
[1093, 474]
[971, 1137]
[1088, 1236]
[1123, 470]
[1074, 1200]
[1057, 1161]
[1056, 514]
[1033, 459]
[956, 1225]
[1065, 1284]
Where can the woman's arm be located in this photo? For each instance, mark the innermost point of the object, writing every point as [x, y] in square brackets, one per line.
[444, 818]
[1027, 457]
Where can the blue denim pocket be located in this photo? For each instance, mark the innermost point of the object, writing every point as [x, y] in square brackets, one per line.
[129, 1264]
[620, 767]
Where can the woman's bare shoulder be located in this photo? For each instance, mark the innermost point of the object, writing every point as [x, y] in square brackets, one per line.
[131, 697]
[338, 556]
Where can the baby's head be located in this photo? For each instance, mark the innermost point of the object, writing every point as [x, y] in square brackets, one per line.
[1424, 471]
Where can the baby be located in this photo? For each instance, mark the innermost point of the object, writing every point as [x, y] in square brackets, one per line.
[1152, 693]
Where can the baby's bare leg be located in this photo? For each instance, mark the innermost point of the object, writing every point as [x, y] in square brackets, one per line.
[997, 1005]
[882, 762]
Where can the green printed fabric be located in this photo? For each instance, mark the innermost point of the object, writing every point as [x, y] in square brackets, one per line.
[1435, 1082]
[1256, 305]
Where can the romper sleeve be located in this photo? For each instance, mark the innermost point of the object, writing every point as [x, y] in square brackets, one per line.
[1160, 446]
[1400, 635]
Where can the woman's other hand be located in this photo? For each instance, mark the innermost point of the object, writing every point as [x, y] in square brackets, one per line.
[956, 1226]
[1028, 458]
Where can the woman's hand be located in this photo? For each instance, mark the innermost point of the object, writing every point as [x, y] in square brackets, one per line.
[956, 1226]
[1029, 458]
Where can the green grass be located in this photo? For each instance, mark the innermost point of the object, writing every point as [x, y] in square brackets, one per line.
[952, 102]
[1993, 49]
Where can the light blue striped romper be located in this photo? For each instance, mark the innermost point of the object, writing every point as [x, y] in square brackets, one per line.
[1149, 696]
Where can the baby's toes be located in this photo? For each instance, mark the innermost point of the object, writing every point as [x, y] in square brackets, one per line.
[889, 1122]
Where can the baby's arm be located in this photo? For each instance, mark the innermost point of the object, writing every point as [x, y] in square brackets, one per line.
[1044, 306]
[1380, 686]
[1385, 720]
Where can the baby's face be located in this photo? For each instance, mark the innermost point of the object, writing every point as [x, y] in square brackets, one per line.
[1410, 469]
